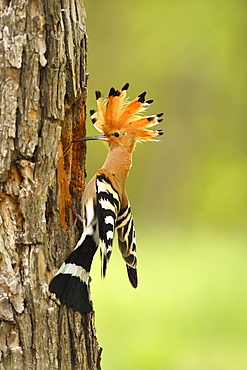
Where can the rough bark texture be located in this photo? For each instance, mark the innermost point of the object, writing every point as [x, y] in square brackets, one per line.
[42, 105]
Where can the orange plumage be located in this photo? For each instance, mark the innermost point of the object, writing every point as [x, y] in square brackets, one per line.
[115, 113]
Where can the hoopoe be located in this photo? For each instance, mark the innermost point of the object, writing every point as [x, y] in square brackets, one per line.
[105, 204]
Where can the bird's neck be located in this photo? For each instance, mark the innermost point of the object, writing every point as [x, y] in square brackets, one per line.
[118, 162]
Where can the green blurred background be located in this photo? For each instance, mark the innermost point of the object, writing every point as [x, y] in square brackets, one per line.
[188, 192]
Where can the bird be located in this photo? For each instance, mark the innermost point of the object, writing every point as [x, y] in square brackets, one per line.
[105, 205]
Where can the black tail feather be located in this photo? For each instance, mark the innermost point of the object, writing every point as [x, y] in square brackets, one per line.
[70, 284]
[71, 291]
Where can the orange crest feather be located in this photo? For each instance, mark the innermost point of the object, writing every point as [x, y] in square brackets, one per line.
[115, 113]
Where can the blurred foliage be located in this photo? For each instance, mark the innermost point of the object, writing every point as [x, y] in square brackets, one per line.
[190, 57]
[189, 310]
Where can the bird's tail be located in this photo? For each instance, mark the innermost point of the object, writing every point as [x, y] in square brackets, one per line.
[70, 284]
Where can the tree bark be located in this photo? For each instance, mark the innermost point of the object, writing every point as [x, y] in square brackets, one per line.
[42, 108]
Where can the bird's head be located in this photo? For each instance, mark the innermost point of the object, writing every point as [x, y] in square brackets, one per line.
[120, 122]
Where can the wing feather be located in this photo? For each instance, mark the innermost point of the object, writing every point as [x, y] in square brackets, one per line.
[127, 242]
[108, 205]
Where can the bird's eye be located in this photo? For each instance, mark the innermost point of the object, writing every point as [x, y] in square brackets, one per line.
[116, 134]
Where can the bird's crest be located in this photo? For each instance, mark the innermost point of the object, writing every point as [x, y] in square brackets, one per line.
[116, 113]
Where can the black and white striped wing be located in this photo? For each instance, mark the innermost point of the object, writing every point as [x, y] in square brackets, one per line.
[108, 205]
[127, 242]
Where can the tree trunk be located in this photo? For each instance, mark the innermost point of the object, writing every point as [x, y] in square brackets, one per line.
[42, 108]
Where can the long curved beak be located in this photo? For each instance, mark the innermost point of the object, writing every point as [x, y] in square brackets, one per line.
[95, 137]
